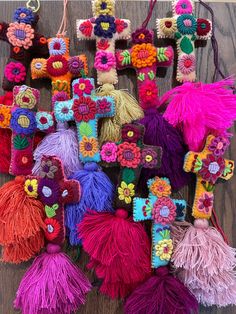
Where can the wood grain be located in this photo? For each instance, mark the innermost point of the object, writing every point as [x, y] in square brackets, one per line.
[225, 197]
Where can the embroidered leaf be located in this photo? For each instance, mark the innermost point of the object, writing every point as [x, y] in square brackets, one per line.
[198, 164]
[128, 175]
[178, 35]
[228, 169]
[186, 45]
[208, 186]
[51, 211]
[165, 233]
[20, 142]
[161, 57]
[85, 129]
[151, 75]
[193, 37]
[126, 57]
[141, 76]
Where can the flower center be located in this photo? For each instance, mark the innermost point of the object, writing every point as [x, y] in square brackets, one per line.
[15, 71]
[104, 60]
[23, 121]
[183, 5]
[47, 192]
[166, 249]
[50, 228]
[20, 34]
[57, 46]
[219, 145]
[65, 110]
[46, 168]
[168, 24]
[75, 64]
[148, 158]
[203, 25]
[141, 36]
[30, 188]
[25, 99]
[143, 54]
[187, 63]
[22, 15]
[103, 5]
[213, 167]
[83, 109]
[187, 23]
[24, 160]
[38, 65]
[164, 211]
[82, 86]
[88, 146]
[105, 26]
[126, 192]
[130, 133]
[43, 120]
[128, 155]
[108, 153]
[207, 202]
[57, 65]
[65, 193]
[148, 92]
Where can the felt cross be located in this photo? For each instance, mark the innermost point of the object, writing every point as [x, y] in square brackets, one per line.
[162, 211]
[105, 29]
[145, 58]
[54, 191]
[22, 119]
[131, 155]
[24, 43]
[60, 67]
[185, 28]
[85, 108]
[209, 166]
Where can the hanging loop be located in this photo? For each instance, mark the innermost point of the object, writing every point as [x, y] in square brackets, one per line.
[33, 5]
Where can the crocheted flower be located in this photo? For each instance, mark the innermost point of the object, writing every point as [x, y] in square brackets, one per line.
[109, 152]
[120, 25]
[103, 106]
[141, 36]
[52, 228]
[205, 203]
[23, 160]
[44, 120]
[164, 249]
[26, 98]
[126, 192]
[60, 96]
[86, 28]
[130, 133]
[203, 27]
[103, 44]
[84, 109]
[212, 168]
[143, 55]
[186, 24]
[20, 35]
[24, 15]
[5, 116]
[88, 147]
[187, 64]
[23, 121]
[148, 93]
[47, 169]
[128, 155]
[149, 158]
[57, 65]
[57, 46]
[160, 187]
[75, 65]
[164, 211]
[15, 72]
[84, 86]
[39, 68]
[104, 61]
[183, 7]
[105, 26]
[168, 26]
[31, 187]
[63, 111]
[218, 145]
[103, 7]
[49, 191]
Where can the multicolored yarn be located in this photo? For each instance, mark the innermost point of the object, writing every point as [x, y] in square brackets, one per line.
[106, 29]
[185, 28]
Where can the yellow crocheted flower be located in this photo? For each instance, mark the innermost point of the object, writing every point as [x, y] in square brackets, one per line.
[160, 188]
[5, 116]
[143, 55]
[168, 26]
[88, 146]
[31, 187]
[26, 99]
[105, 7]
[126, 192]
[164, 249]
[39, 68]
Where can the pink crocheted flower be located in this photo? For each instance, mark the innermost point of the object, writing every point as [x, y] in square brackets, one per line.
[104, 61]
[212, 168]
[109, 152]
[103, 106]
[129, 155]
[187, 64]
[20, 35]
[205, 203]
[183, 7]
[164, 211]
[15, 72]
[83, 86]
[148, 93]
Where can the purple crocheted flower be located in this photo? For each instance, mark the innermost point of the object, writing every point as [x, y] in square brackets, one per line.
[141, 36]
[60, 96]
[76, 65]
[23, 121]
[105, 26]
[149, 158]
[49, 191]
[219, 145]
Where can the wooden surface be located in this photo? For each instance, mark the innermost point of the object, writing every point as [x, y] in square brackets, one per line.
[225, 197]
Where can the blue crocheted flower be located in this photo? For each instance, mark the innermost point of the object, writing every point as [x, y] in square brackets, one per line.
[105, 26]
[187, 24]
[44, 120]
[57, 46]
[23, 121]
[63, 111]
[24, 15]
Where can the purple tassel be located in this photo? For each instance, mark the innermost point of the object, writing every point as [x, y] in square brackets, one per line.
[62, 144]
[52, 285]
[161, 294]
[159, 132]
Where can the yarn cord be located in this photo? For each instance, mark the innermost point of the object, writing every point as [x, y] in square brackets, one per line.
[152, 4]
[62, 29]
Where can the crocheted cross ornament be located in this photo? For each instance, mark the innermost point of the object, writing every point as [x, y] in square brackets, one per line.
[131, 155]
[60, 67]
[106, 29]
[24, 43]
[209, 166]
[85, 108]
[24, 122]
[162, 211]
[185, 28]
[145, 58]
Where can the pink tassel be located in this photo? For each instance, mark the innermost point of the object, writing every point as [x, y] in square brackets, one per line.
[52, 285]
[178, 230]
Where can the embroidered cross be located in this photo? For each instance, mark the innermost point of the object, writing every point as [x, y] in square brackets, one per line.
[60, 67]
[209, 166]
[145, 58]
[131, 155]
[185, 28]
[24, 43]
[22, 119]
[162, 211]
[85, 108]
[106, 29]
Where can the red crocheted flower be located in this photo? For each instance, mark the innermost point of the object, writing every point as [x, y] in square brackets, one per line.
[148, 93]
[83, 86]
[52, 228]
[212, 168]
[120, 25]
[57, 65]
[164, 211]
[84, 109]
[128, 155]
[86, 28]
[23, 160]
[130, 133]
[205, 203]
[103, 106]
[203, 27]
[103, 44]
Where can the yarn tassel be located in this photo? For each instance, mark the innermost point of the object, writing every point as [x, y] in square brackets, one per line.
[201, 109]
[97, 194]
[161, 294]
[58, 286]
[158, 132]
[127, 110]
[62, 144]
[119, 249]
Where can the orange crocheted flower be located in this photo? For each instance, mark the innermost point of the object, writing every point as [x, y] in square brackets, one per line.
[20, 35]
[88, 147]
[143, 55]
[160, 188]
[5, 116]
